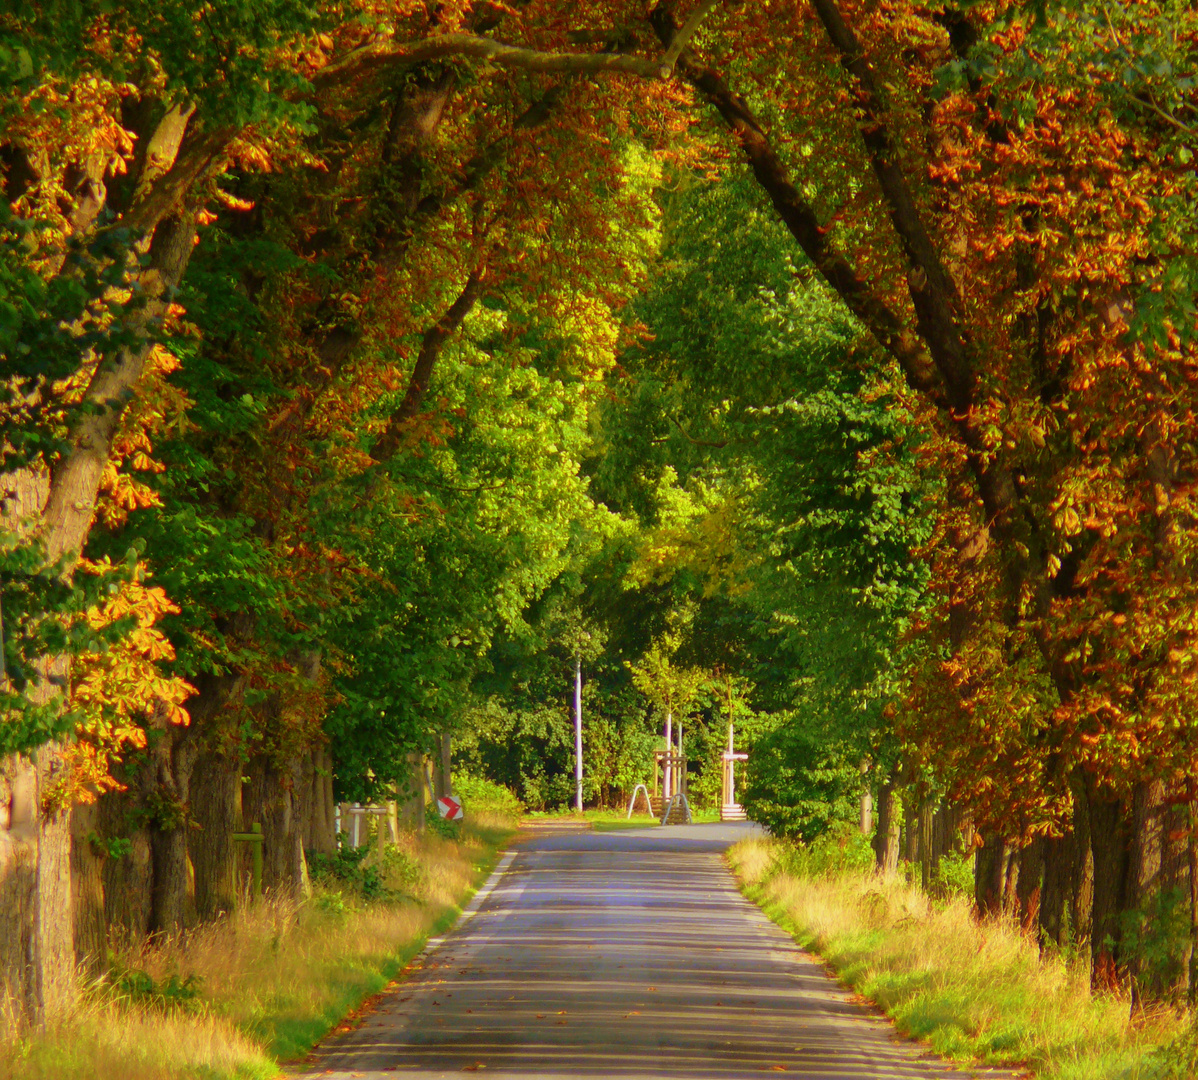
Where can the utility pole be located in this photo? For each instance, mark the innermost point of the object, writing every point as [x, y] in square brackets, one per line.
[578, 734]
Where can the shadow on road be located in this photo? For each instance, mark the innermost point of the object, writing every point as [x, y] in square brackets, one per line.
[622, 954]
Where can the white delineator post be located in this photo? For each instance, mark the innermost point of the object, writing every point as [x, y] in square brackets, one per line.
[578, 734]
[731, 768]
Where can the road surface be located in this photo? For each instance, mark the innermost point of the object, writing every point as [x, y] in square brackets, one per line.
[623, 954]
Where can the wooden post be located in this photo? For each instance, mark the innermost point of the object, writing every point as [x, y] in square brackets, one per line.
[254, 839]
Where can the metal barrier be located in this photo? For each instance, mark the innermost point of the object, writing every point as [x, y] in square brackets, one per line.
[676, 800]
[632, 802]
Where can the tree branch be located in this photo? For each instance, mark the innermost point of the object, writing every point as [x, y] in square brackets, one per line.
[691, 439]
[933, 292]
[388, 53]
[168, 191]
[430, 351]
[885, 325]
[682, 38]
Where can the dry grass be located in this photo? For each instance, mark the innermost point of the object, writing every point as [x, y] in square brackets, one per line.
[272, 979]
[975, 991]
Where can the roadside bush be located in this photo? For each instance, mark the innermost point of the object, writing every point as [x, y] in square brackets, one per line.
[478, 793]
[843, 849]
[347, 867]
[363, 873]
[439, 826]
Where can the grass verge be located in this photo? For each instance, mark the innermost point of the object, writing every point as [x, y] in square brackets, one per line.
[231, 999]
[609, 820]
[978, 992]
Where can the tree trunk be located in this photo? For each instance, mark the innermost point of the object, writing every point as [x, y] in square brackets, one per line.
[989, 874]
[927, 813]
[1059, 860]
[36, 919]
[1143, 884]
[166, 792]
[886, 839]
[445, 772]
[54, 978]
[269, 799]
[128, 880]
[1081, 895]
[910, 828]
[324, 835]
[1192, 859]
[1109, 845]
[216, 812]
[1010, 879]
[301, 816]
[1029, 887]
[87, 889]
[413, 812]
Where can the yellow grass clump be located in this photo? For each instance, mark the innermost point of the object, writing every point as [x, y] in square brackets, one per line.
[977, 990]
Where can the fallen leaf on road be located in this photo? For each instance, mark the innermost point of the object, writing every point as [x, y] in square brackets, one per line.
[475, 1067]
[540, 1016]
[561, 1012]
[561, 1021]
[777, 1068]
[634, 1012]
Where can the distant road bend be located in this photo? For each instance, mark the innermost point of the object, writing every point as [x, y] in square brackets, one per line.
[622, 954]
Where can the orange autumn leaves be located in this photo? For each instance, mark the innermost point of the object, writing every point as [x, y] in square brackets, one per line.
[113, 690]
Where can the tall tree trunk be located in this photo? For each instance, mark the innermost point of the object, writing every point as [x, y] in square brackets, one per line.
[1143, 883]
[269, 799]
[166, 785]
[87, 889]
[1029, 888]
[989, 868]
[910, 828]
[1081, 896]
[1059, 860]
[301, 816]
[1108, 842]
[215, 799]
[886, 839]
[413, 794]
[927, 868]
[1010, 878]
[324, 835]
[128, 880]
[54, 979]
[36, 920]
[1192, 860]
[214, 795]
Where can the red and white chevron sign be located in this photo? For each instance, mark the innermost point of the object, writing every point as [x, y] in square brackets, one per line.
[449, 808]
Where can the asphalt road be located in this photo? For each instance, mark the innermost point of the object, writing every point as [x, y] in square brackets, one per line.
[622, 954]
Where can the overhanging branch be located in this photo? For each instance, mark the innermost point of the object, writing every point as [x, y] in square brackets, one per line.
[389, 53]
